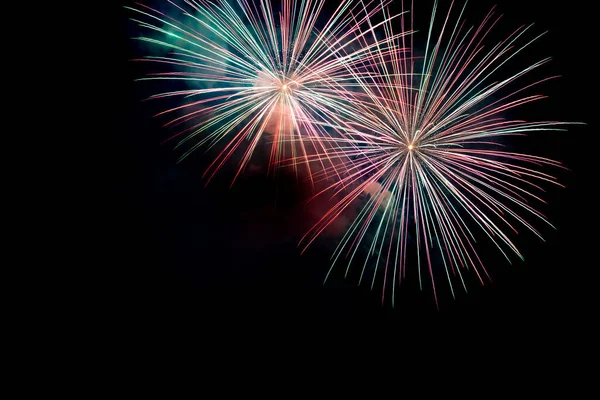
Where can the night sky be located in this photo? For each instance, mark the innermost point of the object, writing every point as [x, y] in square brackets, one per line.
[182, 254]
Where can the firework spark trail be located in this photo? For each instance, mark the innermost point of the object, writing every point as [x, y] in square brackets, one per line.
[423, 147]
[268, 71]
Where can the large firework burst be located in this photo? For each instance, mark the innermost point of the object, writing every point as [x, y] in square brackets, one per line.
[261, 69]
[424, 145]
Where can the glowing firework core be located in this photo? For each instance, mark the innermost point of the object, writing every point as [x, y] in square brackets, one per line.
[285, 84]
[410, 147]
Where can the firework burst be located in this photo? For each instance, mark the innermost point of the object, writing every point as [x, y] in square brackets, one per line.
[424, 148]
[264, 71]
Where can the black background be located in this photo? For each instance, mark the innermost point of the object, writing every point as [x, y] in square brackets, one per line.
[180, 255]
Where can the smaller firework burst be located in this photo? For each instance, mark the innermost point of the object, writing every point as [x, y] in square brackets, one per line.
[265, 71]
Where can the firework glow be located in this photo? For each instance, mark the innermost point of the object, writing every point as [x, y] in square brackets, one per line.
[422, 141]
